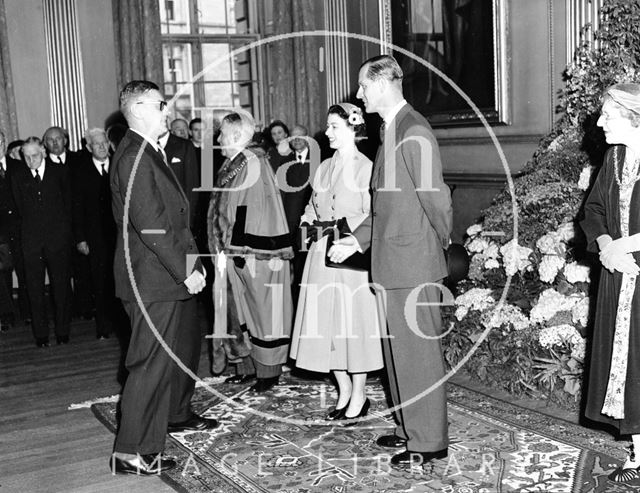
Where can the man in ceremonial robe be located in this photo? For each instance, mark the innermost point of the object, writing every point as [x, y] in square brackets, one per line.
[246, 222]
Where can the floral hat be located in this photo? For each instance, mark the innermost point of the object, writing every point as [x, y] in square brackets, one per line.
[354, 113]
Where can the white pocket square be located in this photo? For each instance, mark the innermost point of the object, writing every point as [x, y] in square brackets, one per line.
[175, 159]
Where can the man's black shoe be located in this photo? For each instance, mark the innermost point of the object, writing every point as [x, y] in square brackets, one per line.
[62, 340]
[416, 459]
[194, 423]
[42, 341]
[240, 378]
[391, 441]
[143, 465]
[264, 384]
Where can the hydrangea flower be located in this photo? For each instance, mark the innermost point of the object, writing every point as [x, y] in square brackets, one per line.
[474, 299]
[549, 303]
[474, 230]
[551, 244]
[558, 335]
[506, 315]
[477, 245]
[574, 272]
[550, 266]
[580, 312]
[515, 257]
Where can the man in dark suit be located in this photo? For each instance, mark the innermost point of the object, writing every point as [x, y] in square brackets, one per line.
[295, 186]
[408, 229]
[10, 164]
[9, 252]
[95, 229]
[56, 141]
[151, 266]
[42, 197]
[181, 156]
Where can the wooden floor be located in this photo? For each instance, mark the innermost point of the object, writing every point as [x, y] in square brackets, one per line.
[44, 447]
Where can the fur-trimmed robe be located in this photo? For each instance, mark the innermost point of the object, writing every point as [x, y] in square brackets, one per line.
[246, 217]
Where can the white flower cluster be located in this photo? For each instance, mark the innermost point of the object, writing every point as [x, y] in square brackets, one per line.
[563, 334]
[551, 244]
[580, 312]
[574, 272]
[507, 315]
[549, 303]
[515, 257]
[549, 267]
[474, 299]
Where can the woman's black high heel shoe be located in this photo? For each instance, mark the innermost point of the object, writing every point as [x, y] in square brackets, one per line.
[337, 414]
[363, 412]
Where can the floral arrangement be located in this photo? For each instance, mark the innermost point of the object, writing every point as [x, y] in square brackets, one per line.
[529, 335]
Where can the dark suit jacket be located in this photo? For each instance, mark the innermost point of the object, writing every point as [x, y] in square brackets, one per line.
[72, 159]
[92, 216]
[295, 187]
[181, 156]
[44, 220]
[411, 215]
[157, 204]
[7, 222]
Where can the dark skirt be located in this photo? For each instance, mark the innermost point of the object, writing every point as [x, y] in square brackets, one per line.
[601, 350]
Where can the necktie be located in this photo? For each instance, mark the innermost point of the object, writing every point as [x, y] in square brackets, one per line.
[382, 128]
[36, 177]
[2, 169]
[104, 170]
[161, 150]
[60, 161]
[300, 160]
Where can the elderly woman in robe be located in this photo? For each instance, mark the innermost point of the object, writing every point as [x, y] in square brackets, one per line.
[246, 222]
[612, 227]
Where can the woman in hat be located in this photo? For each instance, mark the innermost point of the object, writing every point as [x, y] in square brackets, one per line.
[336, 327]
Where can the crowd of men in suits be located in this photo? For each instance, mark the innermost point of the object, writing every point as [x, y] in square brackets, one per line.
[56, 217]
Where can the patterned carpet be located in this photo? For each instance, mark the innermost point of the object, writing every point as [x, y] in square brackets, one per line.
[495, 447]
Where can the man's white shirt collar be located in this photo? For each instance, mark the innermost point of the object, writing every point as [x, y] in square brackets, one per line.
[61, 158]
[40, 169]
[99, 164]
[162, 140]
[3, 163]
[393, 112]
[302, 154]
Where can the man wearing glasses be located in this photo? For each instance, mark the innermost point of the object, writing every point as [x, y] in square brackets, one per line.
[151, 263]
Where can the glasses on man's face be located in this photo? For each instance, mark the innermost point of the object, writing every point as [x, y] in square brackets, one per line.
[163, 104]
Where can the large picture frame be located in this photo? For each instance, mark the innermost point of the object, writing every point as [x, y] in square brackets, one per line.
[467, 41]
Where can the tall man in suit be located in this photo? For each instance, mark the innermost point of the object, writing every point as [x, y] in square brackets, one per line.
[408, 229]
[56, 141]
[294, 181]
[181, 156]
[7, 166]
[95, 229]
[157, 393]
[42, 197]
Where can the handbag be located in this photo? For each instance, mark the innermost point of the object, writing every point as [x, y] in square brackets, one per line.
[358, 261]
